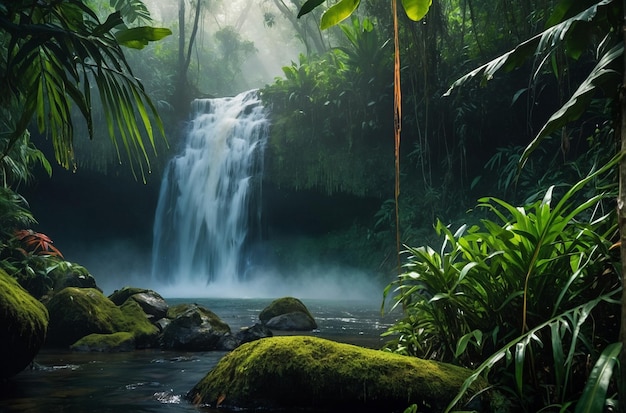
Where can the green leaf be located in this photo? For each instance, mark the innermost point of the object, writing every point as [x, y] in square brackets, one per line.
[139, 37]
[594, 395]
[477, 335]
[308, 7]
[416, 9]
[338, 12]
[580, 100]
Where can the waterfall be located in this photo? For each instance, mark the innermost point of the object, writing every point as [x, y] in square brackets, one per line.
[208, 210]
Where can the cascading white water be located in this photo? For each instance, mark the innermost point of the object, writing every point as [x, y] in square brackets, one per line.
[209, 207]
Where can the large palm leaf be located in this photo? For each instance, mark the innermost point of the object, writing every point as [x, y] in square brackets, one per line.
[58, 55]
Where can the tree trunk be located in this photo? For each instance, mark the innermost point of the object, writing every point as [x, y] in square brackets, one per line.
[178, 100]
[307, 33]
[621, 211]
[182, 94]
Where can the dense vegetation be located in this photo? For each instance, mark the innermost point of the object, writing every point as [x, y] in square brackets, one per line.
[522, 288]
[525, 288]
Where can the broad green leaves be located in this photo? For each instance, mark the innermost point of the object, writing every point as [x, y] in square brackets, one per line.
[58, 56]
[496, 294]
[535, 46]
[415, 10]
[571, 110]
[309, 6]
[573, 34]
[338, 12]
[594, 395]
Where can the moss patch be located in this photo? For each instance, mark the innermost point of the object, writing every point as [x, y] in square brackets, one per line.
[24, 321]
[317, 373]
[134, 320]
[122, 341]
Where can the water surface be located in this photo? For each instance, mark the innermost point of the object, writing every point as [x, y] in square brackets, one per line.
[155, 380]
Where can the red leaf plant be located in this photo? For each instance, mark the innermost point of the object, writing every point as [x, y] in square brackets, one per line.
[36, 243]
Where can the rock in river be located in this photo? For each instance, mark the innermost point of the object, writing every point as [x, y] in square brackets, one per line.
[195, 328]
[78, 312]
[314, 373]
[288, 313]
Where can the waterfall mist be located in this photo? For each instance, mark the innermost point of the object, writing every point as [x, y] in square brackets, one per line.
[207, 230]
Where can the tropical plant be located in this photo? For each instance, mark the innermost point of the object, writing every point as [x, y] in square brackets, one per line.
[56, 53]
[572, 28]
[36, 243]
[528, 290]
[14, 213]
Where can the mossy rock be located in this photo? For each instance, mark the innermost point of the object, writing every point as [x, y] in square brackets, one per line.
[78, 312]
[106, 343]
[150, 301]
[24, 321]
[120, 296]
[195, 328]
[178, 309]
[310, 372]
[284, 305]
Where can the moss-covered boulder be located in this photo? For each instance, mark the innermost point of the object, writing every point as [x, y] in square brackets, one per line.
[24, 321]
[310, 372]
[150, 301]
[78, 312]
[287, 313]
[195, 328]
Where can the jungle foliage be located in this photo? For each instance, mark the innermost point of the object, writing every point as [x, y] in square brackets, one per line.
[330, 110]
[531, 296]
[53, 54]
[56, 59]
[332, 113]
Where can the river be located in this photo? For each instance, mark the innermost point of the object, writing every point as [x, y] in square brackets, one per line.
[157, 381]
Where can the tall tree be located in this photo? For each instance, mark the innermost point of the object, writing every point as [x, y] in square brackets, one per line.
[185, 49]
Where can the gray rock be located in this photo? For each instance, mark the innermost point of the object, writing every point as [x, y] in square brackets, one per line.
[227, 343]
[256, 332]
[162, 323]
[295, 321]
[150, 301]
[152, 304]
[195, 329]
[283, 305]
